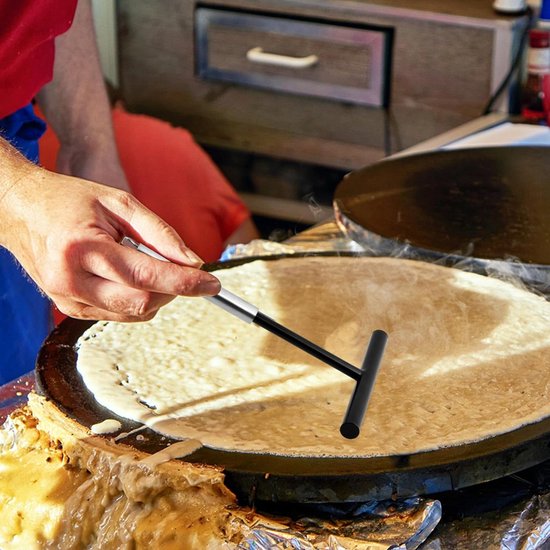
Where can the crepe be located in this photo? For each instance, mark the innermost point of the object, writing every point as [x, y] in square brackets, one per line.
[467, 358]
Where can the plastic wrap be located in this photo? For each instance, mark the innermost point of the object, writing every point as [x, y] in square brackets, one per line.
[535, 278]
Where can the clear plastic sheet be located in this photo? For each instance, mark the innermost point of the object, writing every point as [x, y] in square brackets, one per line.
[14, 394]
[535, 278]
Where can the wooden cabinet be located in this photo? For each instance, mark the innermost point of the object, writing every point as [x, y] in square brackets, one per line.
[283, 54]
[308, 81]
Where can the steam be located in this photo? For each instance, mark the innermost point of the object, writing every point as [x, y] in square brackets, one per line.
[531, 277]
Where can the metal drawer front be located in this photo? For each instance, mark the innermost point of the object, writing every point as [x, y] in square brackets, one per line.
[302, 57]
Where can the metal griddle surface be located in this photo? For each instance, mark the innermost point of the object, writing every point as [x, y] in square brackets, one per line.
[265, 477]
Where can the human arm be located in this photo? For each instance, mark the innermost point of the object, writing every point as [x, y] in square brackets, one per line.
[65, 233]
[245, 233]
[75, 103]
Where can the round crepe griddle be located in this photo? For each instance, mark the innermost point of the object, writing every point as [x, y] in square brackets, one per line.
[273, 478]
[476, 207]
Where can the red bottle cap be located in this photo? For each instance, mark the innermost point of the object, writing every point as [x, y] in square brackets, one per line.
[539, 38]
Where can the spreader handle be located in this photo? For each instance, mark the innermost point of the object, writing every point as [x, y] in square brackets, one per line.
[359, 401]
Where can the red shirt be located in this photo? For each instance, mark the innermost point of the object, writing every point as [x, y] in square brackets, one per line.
[27, 32]
[176, 179]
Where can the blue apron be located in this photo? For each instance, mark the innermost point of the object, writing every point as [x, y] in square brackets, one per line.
[25, 314]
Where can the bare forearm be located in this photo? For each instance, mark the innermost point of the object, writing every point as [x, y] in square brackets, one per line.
[245, 233]
[15, 172]
[75, 103]
[76, 98]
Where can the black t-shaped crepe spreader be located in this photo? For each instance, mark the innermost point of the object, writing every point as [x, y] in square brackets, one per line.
[364, 377]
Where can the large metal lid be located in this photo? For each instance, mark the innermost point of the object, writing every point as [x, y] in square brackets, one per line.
[490, 203]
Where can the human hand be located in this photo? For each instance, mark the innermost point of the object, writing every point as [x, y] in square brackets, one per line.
[66, 231]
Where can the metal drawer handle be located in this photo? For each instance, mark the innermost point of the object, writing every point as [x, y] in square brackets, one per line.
[257, 55]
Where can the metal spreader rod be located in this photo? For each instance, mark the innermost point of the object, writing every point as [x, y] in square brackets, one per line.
[309, 347]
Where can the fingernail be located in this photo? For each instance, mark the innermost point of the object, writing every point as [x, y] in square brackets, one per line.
[192, 258]
[210, 287]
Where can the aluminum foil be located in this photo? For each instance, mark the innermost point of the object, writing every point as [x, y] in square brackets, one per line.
[531, 530]
[525, 526]
[372, 526]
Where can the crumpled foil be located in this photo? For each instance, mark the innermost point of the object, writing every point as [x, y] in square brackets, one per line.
[373, 526]
[531, 531]
[525, 526]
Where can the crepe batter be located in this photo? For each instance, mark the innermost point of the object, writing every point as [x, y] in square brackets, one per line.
[468, 358]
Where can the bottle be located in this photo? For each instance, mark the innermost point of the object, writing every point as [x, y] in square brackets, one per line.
[535, 96]
[544, 15]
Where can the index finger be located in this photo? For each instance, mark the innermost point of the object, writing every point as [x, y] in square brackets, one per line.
[144, 225]
[114, 262]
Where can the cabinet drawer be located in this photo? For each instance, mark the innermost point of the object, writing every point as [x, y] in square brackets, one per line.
[346, 63]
